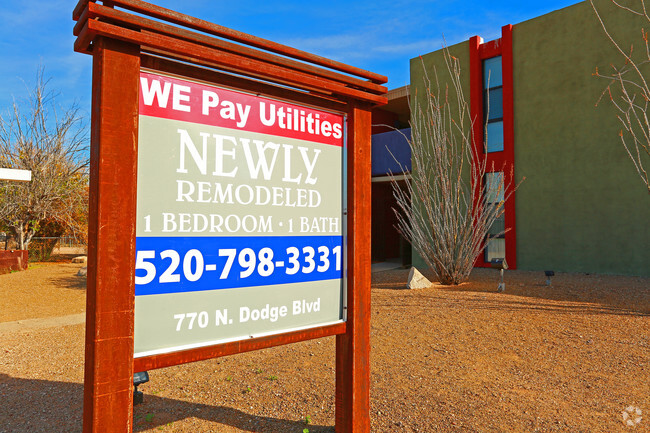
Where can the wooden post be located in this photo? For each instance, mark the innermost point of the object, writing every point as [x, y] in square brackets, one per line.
[353, 347]
[108, 394]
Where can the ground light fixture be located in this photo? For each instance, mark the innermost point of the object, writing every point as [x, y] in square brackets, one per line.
[549, 274]
[139, 379]
[500, 264]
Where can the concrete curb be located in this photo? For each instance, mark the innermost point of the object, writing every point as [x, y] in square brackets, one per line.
[46, 322]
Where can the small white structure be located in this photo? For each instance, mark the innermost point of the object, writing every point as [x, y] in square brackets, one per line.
[14, 174]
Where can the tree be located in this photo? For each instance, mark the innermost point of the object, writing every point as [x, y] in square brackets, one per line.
[54, 147]
[444, 211]
[629, 92]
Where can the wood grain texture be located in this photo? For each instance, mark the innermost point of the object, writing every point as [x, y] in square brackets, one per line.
[111, 238]
[353, 347]
[173, 35]
[228, 61]
[234, 35]
[125, 19]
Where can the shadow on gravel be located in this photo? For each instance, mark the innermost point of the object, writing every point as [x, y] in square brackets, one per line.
[501, 304]
[162, 411]
[73, 282]
[34, 406]
[569, 293]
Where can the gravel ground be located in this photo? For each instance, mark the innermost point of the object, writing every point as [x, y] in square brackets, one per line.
[565, 358]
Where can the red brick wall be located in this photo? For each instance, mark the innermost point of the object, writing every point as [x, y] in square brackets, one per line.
[13, 260]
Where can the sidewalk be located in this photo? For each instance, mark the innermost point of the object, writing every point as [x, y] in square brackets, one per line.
[387, 265]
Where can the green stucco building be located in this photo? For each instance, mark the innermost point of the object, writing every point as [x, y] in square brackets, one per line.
[582, 206]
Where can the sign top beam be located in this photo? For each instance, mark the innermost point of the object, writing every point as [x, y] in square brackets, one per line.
[169, 34]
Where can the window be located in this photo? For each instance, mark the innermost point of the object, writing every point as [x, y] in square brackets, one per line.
[492, 111]
[495, 249]
[493, 103]
[494, 196]
[492, 76]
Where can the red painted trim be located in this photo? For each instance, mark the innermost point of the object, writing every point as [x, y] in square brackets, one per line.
[490, 49]
[496, 161]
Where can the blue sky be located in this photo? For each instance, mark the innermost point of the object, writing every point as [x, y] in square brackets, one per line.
[378, 35]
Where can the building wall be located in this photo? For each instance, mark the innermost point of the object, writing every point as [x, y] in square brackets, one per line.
[437, 72]
[383, 121]
[391, 154]
[582, 207]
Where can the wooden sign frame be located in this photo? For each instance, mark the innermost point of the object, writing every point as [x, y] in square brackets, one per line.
[124, 36]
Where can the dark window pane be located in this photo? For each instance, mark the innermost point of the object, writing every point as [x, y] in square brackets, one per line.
[495, 99]
[498, 226]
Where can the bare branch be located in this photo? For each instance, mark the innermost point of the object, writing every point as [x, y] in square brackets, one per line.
[629, 93]
[53, 147]
[442, 210]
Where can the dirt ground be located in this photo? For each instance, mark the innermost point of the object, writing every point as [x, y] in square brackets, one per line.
[566, 358]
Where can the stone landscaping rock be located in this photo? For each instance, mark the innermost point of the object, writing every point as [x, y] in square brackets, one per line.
[416, 280]
[83, 271]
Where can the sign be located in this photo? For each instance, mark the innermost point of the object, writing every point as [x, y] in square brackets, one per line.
[15, 174]
[240, 217]
[220, 221]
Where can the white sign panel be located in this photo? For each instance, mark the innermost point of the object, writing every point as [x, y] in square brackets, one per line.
[240, 216]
